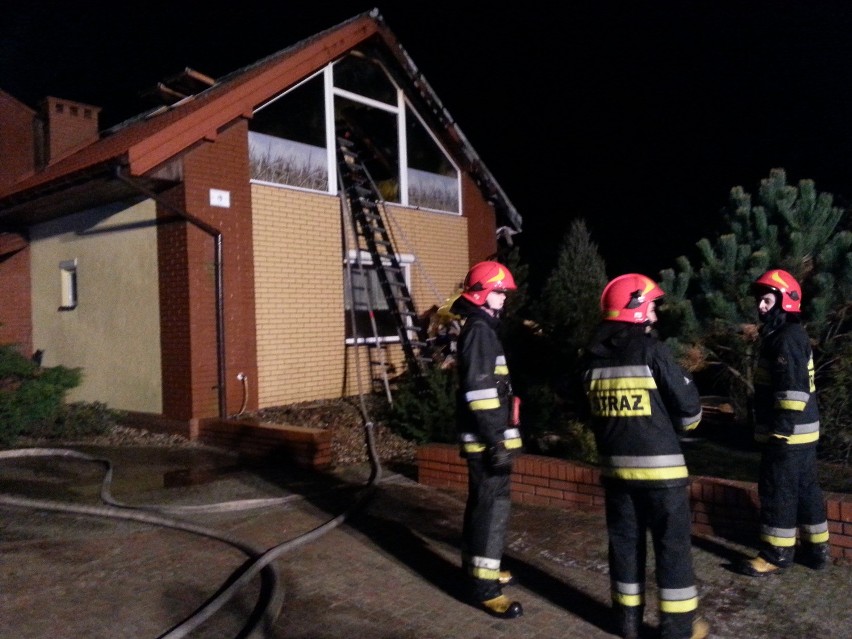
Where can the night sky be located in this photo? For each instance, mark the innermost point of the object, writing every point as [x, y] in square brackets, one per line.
[637, 116]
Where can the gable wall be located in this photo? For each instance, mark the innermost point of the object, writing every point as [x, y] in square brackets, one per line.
[302, 355]
[299, 300]
[482, 242]
[17, 143]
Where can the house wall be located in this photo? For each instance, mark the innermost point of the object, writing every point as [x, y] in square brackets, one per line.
[301, 348]
[187, 257]
[17, 142]
[299, 295]
[113, 334]
[15, 323]
[482, 223]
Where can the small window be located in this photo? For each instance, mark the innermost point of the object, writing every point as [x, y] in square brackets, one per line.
[68, 284]
[369, 301]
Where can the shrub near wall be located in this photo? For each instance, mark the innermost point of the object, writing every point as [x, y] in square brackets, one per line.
[720, 507]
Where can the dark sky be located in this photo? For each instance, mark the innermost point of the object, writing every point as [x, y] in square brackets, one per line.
[638, 116]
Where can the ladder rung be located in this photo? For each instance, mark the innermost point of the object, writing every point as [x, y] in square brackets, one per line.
[360, 191]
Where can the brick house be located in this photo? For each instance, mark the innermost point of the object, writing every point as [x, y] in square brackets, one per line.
[192, 260]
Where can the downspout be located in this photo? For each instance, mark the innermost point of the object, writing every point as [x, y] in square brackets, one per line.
[217, 262]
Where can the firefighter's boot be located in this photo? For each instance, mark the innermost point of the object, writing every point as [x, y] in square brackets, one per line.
[683, 625]
[814, 556]
[700, 629]
[772, 560]
[628, 621]
[759, 567]
[502, 607]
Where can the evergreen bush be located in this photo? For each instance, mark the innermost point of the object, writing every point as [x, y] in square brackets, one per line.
[425, 412]
[31, 397]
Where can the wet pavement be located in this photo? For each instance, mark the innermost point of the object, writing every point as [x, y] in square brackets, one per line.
[344, 558]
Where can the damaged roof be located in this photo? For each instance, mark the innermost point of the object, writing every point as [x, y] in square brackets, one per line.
[143, 144]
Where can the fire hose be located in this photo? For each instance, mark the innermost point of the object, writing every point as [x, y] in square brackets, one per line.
[271, 596]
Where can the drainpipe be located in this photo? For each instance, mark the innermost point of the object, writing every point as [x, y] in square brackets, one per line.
[217, 261]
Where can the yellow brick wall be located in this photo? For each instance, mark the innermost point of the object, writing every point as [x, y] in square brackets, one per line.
[298, 253]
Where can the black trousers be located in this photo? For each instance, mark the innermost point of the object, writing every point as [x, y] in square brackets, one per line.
[790, 496]
[486, 520]
[630, 514]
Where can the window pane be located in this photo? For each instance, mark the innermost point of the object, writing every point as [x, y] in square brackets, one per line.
[287, 139]
[432, 179]
[68, 284]
[368, 295]
[359, 75]
[374, 132]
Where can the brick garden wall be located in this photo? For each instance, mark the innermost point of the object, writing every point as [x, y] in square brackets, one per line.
[720, 507]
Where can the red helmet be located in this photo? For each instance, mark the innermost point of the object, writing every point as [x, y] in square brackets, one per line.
[626, 298]
[485, 277]
[786, 285]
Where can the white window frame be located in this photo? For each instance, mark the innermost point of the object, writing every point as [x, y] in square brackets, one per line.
[405, 261]
[68, 285]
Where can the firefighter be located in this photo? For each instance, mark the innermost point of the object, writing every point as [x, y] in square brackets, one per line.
[638, 400]
[787, 430]
[487, 438]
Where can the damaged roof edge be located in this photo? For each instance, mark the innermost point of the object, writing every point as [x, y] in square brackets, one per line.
[419, 80]
[475, 166]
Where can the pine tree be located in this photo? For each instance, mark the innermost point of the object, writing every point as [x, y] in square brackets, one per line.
[712, 309]
[569, 307]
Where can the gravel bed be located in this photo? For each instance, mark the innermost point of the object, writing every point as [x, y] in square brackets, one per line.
[349, 437]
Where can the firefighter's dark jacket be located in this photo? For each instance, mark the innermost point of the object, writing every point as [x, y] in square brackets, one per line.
[785, 401]
[485, 388]
[638, 400]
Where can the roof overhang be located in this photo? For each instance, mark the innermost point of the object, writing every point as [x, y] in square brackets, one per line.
[78, 192]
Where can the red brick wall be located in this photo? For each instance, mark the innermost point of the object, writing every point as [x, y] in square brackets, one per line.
[70, 125]
[15, 298]
[17, 140]
[720, 507]
[481, 221]
[189, 333]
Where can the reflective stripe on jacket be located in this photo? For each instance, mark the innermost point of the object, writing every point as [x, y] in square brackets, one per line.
[785, 402]
[485, 388]
[639, 399]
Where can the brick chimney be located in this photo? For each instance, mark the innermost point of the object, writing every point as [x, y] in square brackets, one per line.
[68, 126]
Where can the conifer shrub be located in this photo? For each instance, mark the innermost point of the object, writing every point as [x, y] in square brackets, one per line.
[835, 422]
[425, 412]
[31, 397]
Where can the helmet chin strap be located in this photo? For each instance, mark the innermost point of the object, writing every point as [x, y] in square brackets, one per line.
[493, 312]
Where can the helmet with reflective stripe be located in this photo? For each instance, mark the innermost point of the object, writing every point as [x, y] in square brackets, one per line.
[785, 285]
[627, 297]
[485, 277]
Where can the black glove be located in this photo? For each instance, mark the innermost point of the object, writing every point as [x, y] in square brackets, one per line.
[500, 459]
